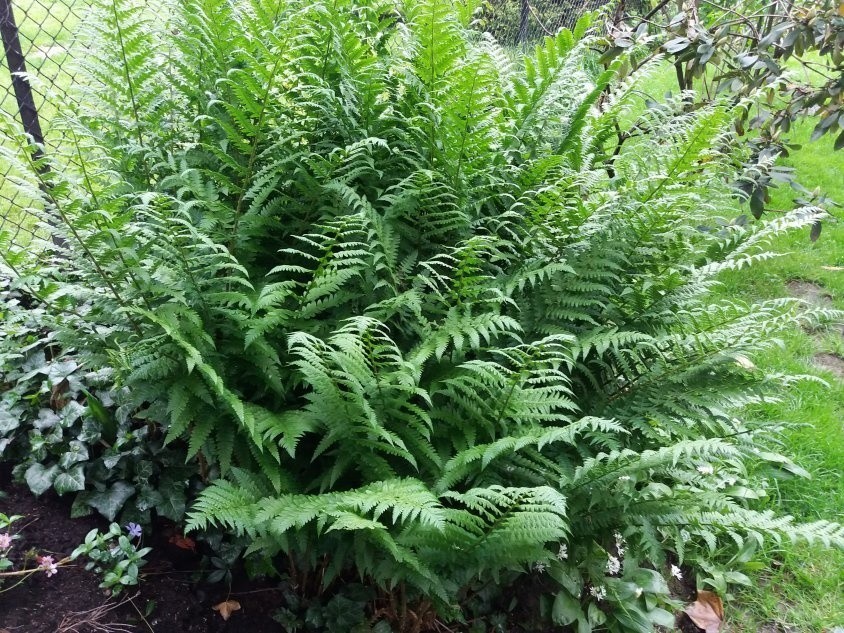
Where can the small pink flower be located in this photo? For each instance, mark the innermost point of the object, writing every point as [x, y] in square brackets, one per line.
[48, 565]
[5, 540]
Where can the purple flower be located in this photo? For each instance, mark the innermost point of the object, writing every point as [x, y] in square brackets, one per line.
[135, 530]
[5, 541]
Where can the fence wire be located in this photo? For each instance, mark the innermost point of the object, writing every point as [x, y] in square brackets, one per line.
[35, 79]
[37, 73]
[525, 22]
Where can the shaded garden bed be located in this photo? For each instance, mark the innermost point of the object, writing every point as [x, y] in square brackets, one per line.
[168, 597]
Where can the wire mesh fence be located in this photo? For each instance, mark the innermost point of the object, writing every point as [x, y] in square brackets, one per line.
[523, 22]
[41, 43]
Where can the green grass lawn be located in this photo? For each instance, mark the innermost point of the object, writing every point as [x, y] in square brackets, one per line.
[802, 588]
[798, 588]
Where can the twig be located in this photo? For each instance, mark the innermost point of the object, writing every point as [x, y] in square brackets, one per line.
[245, 593]
[141, 615]
[90, 621]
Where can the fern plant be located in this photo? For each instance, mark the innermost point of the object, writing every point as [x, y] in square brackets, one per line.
[404, 306]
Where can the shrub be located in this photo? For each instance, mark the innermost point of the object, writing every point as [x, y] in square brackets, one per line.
[406, 309]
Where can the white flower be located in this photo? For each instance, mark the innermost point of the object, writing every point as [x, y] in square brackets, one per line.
[638, 592]
[613, 565]
[706, 469]
[539, 567]
[675, 571]
[599, 593]
[620, 543]
[625, 478]
[563, 554]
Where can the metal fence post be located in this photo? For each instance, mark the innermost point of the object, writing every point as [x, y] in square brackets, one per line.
[23, 91]
[17, 68]
[524, 16]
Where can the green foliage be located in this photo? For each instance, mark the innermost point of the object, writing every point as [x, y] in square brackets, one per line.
[6, 540]
[410, 310]
[113, 555]
[753, 48]
[66, 428]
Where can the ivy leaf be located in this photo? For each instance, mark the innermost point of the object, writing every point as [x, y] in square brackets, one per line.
[39, 478]
[10, 418]
[47, 419]
[72, 480]
[173, 499]
[109, 502]
[76, 452]
[61, 370]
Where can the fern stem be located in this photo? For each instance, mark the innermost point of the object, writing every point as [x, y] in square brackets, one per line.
[465, 135]
[250, 166]
[129, 85]
[60, 210]
[117, 249]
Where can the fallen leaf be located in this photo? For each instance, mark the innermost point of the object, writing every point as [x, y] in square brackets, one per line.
[183, 542]
[226, 608]
[707, 612]
[58, 398]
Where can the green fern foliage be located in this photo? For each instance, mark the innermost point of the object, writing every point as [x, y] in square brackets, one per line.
[404, 304]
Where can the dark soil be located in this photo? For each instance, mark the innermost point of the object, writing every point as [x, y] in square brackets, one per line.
[177, 604]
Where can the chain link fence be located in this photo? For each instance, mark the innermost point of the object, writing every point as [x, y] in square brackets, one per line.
[524, 22]
[40, 44]
[35, 79]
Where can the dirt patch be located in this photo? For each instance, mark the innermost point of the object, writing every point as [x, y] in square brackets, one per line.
[179, 604]
[831, 362]
[809, 291]
[38, 604]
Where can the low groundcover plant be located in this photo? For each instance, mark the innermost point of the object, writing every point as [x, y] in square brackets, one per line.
[407, 311]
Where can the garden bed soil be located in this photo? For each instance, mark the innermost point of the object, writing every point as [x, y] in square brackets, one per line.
[177, 604]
